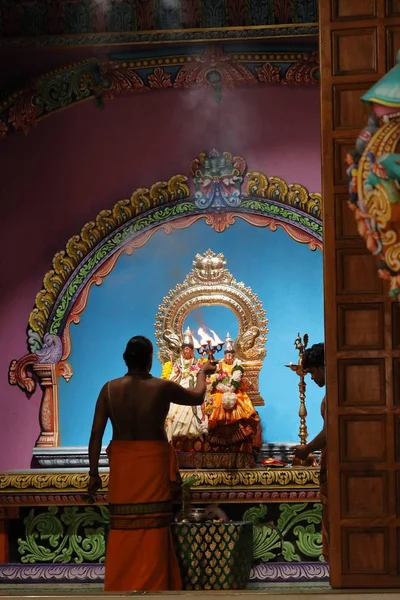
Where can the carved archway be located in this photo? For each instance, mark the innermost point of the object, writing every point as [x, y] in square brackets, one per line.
[220, 197]
[210, 283]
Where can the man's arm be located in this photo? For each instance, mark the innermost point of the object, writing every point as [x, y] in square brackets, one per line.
[186, 397]
[318, 443]
[96, 437]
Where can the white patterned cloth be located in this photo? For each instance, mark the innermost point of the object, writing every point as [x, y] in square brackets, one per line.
[185, 421]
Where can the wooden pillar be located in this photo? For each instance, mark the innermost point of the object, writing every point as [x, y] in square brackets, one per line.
[358, 43]
[49, 421]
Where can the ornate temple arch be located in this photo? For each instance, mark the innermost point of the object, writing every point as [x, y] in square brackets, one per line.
[211, 284]
[221, 196]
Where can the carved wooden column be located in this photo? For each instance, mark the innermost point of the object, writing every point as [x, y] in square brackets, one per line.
[49, 420]
[252, 370]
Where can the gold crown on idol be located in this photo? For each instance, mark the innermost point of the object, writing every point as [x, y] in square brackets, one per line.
[228, 344]
[188, 338]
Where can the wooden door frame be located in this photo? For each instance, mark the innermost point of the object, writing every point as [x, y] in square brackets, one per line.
[381, 26]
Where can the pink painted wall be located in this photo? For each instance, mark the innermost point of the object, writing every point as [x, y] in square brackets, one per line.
[84, 159]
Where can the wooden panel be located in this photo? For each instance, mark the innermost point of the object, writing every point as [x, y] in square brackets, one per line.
[396, 381]
[341, 148]
[364, 495]
[361, 340]
[393, 8]
[348, 9]
[347, 61]
[393, 45]
[357, 272]
[362, 438]
[398, 493]
[397, 437]
[347, 112]
[362, 382]
[360, 326]
[396, 325]
[346, 226]
[365, 550]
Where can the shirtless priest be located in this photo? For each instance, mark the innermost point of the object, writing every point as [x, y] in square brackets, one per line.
[140, 554]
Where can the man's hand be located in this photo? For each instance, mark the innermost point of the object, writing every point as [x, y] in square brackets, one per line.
[95, 484]
[209, 367]
[301, 452]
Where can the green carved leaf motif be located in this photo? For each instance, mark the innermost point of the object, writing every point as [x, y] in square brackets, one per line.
[70, 534]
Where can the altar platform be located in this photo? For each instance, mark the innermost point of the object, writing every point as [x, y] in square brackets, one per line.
[49, 533]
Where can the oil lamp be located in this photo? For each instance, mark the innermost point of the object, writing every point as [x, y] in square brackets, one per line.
[209, 344]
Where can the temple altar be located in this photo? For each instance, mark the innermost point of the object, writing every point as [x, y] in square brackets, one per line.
[47, 527]
[46, 520]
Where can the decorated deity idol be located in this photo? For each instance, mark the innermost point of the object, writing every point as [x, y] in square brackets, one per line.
[185, 422]
[233, 421]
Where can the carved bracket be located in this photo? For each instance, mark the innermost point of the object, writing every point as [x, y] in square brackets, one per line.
[47, 375]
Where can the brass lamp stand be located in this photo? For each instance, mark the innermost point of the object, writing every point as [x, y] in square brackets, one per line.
[300, 346]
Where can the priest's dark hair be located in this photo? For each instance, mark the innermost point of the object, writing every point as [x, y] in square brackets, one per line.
[138, 353]
[314, 357]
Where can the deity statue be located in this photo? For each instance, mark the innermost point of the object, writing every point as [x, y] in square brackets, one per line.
[234, 425]
[185, 423]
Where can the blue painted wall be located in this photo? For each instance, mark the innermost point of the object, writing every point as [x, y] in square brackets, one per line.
[286, 275]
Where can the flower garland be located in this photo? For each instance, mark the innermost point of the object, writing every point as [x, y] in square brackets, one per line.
[227, 384]
[166, 370]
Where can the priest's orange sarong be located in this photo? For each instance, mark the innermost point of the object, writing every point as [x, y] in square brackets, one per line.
[140, 554]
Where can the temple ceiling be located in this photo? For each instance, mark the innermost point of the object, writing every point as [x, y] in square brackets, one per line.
[39, 23]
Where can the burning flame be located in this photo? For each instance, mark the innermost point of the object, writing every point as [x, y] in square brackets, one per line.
[206, 338]
[217, 341]
[196, 343]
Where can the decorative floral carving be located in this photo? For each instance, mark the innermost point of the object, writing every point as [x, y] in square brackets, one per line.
[23, 112]
[269, 73]
[212, 69]
[70, 483]
[118, 79]
[64, 535]
[305, 71]
[220, 221]
[159, 79]
[99, 79]
[294, 194]
[18, 373]
[297, 522]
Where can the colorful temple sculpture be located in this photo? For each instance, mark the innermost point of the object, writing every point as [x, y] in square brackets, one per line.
[374, 178]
